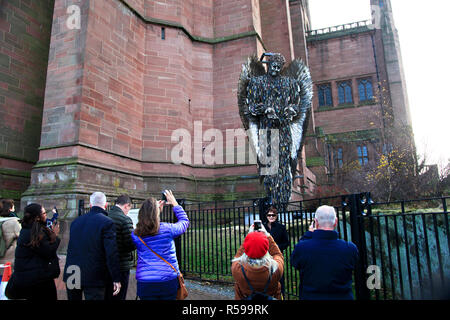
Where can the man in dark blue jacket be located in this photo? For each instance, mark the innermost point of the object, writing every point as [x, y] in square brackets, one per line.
[324, 261]
[92, 258]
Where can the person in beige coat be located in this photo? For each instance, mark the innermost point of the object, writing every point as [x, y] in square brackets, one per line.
[10, 228]
[258, 255]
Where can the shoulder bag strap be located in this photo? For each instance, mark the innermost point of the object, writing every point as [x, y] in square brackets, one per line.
[250, 286]
[268, 281]
[158, 255]
[246, 279]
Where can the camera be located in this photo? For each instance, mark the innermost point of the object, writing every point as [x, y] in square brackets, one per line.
[257, 225]
[164, 198]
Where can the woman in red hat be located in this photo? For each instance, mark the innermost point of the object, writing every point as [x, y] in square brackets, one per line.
[258, 259]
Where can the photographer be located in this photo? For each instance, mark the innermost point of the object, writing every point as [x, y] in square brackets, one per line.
[260, 259]
[36, 264]
[278, 231]
[324, 261]
[157, 261]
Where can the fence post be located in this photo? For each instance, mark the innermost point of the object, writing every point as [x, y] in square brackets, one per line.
[80, 207]
[177, 240]
[358, 238]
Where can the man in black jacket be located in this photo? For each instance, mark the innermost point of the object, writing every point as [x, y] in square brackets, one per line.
[92, 260]
[125, 245]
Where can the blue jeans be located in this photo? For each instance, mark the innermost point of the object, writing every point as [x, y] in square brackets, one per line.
[165, 290]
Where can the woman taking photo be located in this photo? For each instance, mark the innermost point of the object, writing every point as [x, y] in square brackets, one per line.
[156, 279]
[36, 263]
[279, 234]
[257, 266]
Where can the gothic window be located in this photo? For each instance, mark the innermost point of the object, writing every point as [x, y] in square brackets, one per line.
[345, 92]
[324, 93]
[365, 89]
[363, 155]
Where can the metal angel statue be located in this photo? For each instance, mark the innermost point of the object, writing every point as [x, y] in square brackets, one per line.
[278, 101]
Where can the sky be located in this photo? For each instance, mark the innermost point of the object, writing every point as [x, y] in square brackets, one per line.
[424, 43]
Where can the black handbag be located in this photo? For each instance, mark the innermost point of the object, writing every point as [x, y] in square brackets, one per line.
[13, 290]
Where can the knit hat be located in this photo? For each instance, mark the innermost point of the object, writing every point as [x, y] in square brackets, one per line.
[256, 245]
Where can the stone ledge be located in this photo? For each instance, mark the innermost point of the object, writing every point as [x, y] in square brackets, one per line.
[177, 25]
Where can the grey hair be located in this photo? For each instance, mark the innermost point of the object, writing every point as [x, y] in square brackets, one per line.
[326, 216]
[98, 199]
[266, 261]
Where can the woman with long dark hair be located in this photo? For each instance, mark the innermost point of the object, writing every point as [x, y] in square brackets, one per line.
[156, 279]
[36, 263]
[278, 231]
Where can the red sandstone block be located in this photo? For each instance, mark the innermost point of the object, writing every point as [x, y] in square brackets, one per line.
[105, 142]
[112, 118]
[123, 137]
[153, 144]
[154, 91]
[67, 152]
[92, 119]
[89, 137]
[114, 85]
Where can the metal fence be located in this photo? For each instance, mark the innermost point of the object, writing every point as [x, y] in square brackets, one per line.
[218, 229]
[403, 245]
[409, 243]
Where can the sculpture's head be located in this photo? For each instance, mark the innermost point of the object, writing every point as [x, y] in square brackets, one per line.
[275, 64]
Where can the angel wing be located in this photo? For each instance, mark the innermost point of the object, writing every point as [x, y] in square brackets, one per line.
[300, 72]
[252, 68]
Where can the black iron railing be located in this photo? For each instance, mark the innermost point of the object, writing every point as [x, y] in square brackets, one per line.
[340, 28]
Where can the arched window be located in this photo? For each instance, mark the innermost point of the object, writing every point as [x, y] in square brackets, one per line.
[363, 155]
[365, 89]
[324, 95]
[345, 92]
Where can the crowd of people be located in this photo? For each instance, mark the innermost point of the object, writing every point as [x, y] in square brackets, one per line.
[102, 245]
[325, 263]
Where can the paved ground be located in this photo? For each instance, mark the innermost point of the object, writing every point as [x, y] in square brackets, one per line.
[197, 290]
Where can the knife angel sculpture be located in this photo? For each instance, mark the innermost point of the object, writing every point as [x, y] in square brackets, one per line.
[274, 106]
